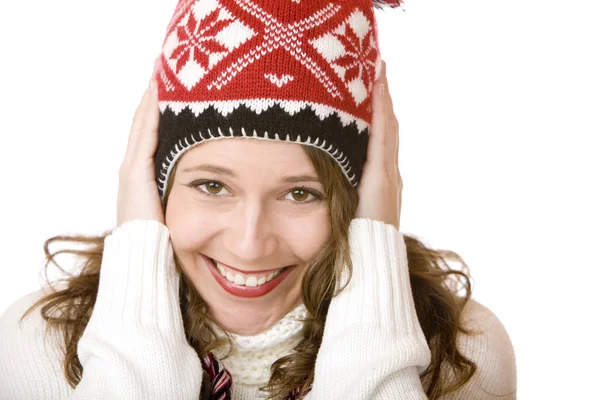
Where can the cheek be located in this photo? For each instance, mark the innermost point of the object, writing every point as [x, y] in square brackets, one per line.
[189, 226]
[306, 235]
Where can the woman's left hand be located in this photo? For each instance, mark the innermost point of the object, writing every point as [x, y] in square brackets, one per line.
[380, 187]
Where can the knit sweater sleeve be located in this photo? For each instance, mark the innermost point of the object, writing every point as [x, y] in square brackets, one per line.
[373, 346]
[134, 346]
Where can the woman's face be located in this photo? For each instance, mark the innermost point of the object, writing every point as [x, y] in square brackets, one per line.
[237, 201]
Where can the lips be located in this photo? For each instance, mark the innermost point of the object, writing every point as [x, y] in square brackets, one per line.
[242, 290]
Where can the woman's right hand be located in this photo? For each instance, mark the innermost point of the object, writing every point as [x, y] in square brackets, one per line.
[138, 196]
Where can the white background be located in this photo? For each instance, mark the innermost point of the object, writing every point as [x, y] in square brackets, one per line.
[498, 105]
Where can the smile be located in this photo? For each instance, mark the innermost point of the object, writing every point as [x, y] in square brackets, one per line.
[244, 284]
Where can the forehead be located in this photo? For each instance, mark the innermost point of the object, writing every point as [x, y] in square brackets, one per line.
[243, 153]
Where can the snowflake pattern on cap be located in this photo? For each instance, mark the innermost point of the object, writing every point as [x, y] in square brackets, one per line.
[352, 51]
[206, 35]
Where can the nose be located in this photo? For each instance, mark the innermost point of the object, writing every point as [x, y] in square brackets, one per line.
[250, 233]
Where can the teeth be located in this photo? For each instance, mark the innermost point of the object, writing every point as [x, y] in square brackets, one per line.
[251, 281]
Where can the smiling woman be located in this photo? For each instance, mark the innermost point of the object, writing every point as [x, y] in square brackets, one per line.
[257, 250]
[217, 320]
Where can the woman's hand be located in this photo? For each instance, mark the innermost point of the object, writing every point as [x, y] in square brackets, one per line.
[138, 196]
[380, 187]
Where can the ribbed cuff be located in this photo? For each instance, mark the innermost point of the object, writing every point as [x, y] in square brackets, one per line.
[139, 285]
[373, 345]
[379, 292]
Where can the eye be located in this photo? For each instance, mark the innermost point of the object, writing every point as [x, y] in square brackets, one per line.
[299, 194]
[212, 187]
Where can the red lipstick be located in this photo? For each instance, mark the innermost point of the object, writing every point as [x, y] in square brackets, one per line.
[246, 291]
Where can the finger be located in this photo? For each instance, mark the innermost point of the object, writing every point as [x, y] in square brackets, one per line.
[377, 138]
[392, 129]
[397, 151]
[139, 114]
[153, 113]
[139, 121]
[138, 117]
[392, 137]
[149, 134]
[150, 129]
[136, 126]
[157, 65]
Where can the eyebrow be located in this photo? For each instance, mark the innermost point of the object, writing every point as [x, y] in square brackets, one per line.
[226, 171]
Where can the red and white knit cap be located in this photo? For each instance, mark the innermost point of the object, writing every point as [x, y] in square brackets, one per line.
[300, 71]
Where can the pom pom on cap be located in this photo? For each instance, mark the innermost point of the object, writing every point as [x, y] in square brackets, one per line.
[386, 3]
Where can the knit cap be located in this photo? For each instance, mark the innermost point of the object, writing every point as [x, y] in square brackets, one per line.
[297, 71]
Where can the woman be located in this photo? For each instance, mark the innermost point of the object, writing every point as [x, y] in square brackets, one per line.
[248, 267]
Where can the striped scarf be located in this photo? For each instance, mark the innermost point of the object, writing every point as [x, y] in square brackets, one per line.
[222, 381]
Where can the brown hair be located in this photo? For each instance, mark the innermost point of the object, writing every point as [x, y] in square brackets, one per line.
[435, 288]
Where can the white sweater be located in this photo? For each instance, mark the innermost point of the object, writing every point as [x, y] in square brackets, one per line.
[134, 346]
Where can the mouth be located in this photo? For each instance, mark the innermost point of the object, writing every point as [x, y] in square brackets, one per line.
[247, 284]
[240, 277]
[234, 269]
